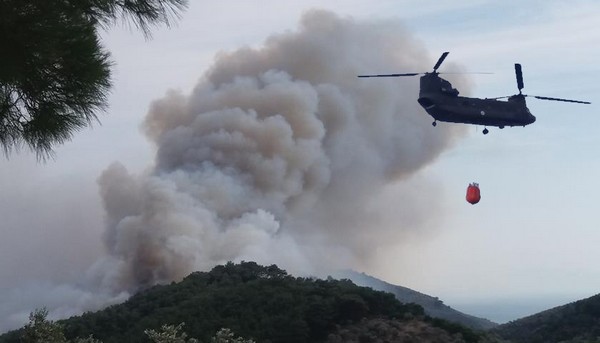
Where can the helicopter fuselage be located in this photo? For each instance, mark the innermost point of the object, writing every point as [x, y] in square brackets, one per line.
[443, 103]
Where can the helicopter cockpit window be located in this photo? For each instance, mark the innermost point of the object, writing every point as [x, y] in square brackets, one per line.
[447, 88]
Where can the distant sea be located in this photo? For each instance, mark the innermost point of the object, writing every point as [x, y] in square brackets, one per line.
[505, 310]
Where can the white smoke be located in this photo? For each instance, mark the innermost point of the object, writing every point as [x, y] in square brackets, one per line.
[278, 156]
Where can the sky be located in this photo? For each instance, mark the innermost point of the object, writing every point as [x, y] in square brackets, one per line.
[529, 245]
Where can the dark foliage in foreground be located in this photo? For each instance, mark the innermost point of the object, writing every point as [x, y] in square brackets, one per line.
[54, 73]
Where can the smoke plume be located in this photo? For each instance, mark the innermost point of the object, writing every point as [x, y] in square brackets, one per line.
[279, 155]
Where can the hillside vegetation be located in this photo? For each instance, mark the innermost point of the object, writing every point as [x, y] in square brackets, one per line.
[572, 323]
[433, 306]
[267, 305]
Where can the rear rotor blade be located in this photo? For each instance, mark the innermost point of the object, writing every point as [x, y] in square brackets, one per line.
[519, 75]
[558, 99]
[390, 75]
[439, 62]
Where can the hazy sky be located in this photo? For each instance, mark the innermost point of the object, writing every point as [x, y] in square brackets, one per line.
[531, 243]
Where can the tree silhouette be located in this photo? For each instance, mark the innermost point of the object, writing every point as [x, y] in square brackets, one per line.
[54, 73]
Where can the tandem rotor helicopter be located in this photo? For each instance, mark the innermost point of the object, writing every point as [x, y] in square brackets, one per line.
[441, 101]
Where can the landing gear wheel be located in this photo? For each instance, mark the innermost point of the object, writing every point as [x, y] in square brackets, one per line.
[434, 124]
[486, 131]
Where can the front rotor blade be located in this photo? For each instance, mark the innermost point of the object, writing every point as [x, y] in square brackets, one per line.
[519, 74]
[390, 75]
[558, 99]
[439, 62]
[465, 72]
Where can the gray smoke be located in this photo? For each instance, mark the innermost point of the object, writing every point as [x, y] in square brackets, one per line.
[280, 155]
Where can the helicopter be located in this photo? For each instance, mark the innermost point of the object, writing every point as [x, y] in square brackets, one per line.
[442, 102]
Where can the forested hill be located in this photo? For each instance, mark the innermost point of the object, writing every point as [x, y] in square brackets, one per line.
[267, 305]
[433, 306]
[575, 322]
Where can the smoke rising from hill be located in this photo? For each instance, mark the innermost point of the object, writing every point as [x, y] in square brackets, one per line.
[278, 156]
